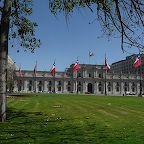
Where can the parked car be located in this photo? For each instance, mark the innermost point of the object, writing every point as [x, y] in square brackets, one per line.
[127, 93]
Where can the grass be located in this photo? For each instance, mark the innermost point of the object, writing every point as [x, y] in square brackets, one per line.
[73, 119]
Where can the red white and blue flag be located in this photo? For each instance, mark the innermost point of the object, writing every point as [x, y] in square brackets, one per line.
[35, 68]
[20, 73]
[53, 69]
[91, 54]
[76, 66]
[137, 62]
[107, 65]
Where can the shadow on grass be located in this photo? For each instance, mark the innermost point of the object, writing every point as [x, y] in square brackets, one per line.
[23, 127]
[33, 127]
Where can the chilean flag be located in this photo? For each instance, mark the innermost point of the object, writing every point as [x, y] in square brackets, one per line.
[76, 66]
[53, 69]
[137, 62]
[107, 66]
[35, 68]
[91, 54]
[20, 73]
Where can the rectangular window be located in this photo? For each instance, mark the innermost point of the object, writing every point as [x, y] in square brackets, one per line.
[50, 82]
[40, 88]
[30, 88]
[79, 88]
[117, 89]
[109, 89]
[69, 89]
[49, 89]
[30, 82]
[59, 88]
[125, 89]
[40, 82]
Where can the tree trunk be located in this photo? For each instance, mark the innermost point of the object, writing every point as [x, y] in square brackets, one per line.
[4, 33]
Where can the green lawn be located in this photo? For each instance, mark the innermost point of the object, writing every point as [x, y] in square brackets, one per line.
[73, 119]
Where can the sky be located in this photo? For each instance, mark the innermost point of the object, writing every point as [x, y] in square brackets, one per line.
[64, 42]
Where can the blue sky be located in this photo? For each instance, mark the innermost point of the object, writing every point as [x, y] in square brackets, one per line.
[65, 42]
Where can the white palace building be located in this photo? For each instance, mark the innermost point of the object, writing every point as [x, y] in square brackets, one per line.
[87, 79]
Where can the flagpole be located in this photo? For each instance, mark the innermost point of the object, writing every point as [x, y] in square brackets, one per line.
[19, 79]
[54, 79]
[77, 81]
[140, 94]
[105, 76]
[35, 75]
[54, 83]
[75, 68]
[72, 87]
[105, 83]
[89, 57]
[77, 78]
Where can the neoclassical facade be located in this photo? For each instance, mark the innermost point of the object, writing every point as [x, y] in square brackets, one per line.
[88, 79]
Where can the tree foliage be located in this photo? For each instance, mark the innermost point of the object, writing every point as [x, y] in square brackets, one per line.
[22, 29]
[118, 18]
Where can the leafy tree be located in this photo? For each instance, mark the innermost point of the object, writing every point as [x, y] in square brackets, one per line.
[14, 17]
[118, 18]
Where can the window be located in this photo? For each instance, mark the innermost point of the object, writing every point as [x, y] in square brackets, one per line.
[117, 84]
[99, 75]
[50, 82]
[109, 84]
[30, 88]
[20, 88]
[69, 83]
[133, 84]
[117, 89]
[59, 88]
[49, 89]
[79, 83]
[79, 75]
[59, 83]
[125, 88]
[40, 88]
[125, 84]
[109, 89]
[40, 82]
[69, 89]
[90, 75]
[30, 82]
[99, 88]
